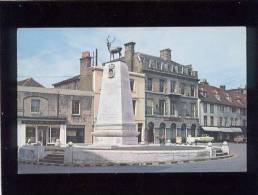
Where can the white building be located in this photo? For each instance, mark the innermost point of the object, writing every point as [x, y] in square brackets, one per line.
[222, 112]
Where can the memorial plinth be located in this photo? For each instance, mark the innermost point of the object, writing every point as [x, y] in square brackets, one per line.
[115, 120]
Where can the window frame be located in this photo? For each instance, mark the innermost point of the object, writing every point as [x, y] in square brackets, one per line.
[149, 84]
[162, 85]
[79, 109]
[31, 106]
[134, 102]
[132, 87]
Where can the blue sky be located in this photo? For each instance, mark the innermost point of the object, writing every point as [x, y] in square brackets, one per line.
[50, 55]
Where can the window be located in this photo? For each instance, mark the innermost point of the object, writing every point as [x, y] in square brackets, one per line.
[211, 108]
[226, 121]
[172, 108]
[132, 84]
[231, 124]
[161, 85]
[221, 108]
[149, 108]
[149, 84]
[162, 107]
[172, 86]
[180, 69]
[30, 134]
[220, 121]
[75, 135]
[205, 120]
[182, 89]
[193, 110]
[242, 111]
[233, 109]
[212, 121]
[192, 90]
[35, 104]
[205, 107]
[134, 103]
[55, 134]
[244, 122]
[75, 107]
[235, 121]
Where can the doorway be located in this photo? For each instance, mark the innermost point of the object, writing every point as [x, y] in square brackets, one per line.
[43, 135]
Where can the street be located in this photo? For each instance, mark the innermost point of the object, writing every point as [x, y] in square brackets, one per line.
[237, 163]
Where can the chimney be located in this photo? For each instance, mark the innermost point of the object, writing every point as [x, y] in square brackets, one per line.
[85, 62]
[165, 54]
[222, 87]
[205, 82]
[129, 55]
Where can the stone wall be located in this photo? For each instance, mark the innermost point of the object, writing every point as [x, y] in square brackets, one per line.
[83, 156]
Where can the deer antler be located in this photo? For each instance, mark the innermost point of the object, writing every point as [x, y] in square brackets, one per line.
[108, 38]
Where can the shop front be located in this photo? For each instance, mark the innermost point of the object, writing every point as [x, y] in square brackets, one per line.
[45, 131]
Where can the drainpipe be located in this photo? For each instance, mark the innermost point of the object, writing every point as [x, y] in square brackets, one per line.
[58, 104]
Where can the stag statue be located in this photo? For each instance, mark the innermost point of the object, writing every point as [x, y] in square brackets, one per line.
[113, 51]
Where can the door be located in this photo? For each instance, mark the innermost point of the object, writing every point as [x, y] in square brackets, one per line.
[42, 135]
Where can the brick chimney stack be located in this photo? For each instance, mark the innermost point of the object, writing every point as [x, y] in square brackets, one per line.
[165, 54]
[129, 55]
[86, 75]
[85, 62]
[222, 87]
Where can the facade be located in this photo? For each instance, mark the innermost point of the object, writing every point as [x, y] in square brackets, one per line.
[171, 95]
[47, 115]
[90, 79]
[222, 112]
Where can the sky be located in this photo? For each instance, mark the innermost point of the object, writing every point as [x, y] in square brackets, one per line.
[50, 55]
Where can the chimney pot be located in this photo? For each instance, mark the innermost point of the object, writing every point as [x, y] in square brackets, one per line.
[85, 54]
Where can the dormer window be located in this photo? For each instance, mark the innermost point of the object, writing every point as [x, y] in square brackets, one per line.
[228, 97]
[217, 97]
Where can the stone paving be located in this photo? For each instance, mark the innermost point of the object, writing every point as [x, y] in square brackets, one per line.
[237, 163]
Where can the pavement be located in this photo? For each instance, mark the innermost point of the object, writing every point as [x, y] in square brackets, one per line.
[237, 163]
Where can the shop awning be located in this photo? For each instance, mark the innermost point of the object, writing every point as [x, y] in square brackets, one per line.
[236, 130]
[214, 129]
[226, 130]
[43, 120]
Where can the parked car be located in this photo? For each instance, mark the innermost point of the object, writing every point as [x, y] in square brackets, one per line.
[240, 139]
[203, 138]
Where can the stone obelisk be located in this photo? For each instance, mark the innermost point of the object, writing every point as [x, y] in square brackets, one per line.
[115, 120]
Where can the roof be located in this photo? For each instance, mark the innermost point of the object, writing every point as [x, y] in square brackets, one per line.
[54, 91]
[29, 82]
[157, 58]
[75, 78]
[228, 98]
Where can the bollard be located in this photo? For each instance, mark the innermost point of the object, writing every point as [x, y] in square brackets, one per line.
[210, 148]
[225, 147]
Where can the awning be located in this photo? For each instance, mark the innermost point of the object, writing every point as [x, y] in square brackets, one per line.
[231, 130]
[42, 120]
[236, 130]
[226, 130]
[215, 129]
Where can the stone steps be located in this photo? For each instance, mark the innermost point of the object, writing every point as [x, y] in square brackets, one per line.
[56, 158]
